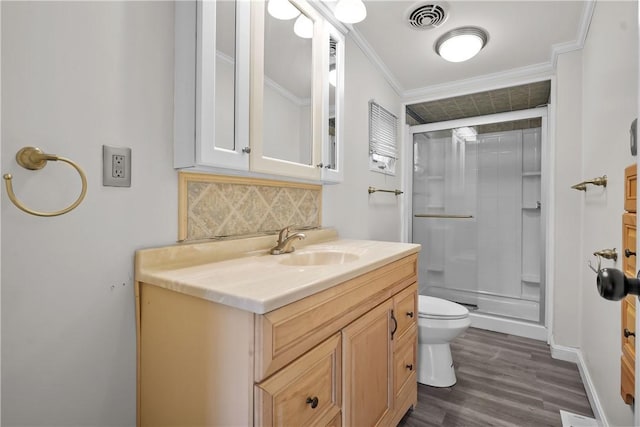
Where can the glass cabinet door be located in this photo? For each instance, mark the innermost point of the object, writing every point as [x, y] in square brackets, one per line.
[286, 97]
[212, 69]
[333, 94]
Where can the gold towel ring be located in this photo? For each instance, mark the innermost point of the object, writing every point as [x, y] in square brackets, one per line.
[33, 158]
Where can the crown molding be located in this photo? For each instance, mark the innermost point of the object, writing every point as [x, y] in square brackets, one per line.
[514, 77]
[578, 43]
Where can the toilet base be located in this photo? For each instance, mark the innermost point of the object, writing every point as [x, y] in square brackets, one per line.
[435, 365]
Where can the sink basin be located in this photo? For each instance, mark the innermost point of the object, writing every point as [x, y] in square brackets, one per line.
[318, 258]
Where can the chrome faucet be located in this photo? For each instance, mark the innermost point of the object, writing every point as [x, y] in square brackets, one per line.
[285, 242]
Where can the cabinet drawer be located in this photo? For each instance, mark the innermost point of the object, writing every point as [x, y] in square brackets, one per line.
[628, 322]
[288, 332]
[307, 392]
[405, 308]
[630, 186]
[629, 242]
[627, 380]
[404, 360]
[336, 421]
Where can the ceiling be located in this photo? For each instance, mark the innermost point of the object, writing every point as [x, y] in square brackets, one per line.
[521, 34]
[513, 98]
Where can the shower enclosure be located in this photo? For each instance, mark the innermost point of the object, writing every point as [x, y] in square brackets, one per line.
[476, 210]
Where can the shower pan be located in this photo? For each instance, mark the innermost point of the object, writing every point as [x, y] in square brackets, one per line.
[477, 209]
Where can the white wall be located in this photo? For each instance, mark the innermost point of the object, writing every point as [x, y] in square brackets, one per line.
[570, 263]
[348, 206]
[609, 104]
[77, 75]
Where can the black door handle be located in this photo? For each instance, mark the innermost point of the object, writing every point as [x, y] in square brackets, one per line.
[628, 333]
[614, 285]
[628, 253]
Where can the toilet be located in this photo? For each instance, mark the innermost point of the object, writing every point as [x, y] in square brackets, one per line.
[439, 322]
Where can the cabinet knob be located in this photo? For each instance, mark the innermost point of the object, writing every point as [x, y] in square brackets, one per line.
[410, 314]
[410, 367]
[628, 253]
[246, 150]
[313, 401]
[320, 165]
[628, 333]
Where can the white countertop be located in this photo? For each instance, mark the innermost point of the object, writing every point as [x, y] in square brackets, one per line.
[255, 280]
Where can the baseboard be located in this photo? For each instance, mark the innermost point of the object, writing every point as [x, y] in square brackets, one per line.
[571, 354]
[508, 326]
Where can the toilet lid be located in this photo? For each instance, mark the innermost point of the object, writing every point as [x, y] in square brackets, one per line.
[440, 308]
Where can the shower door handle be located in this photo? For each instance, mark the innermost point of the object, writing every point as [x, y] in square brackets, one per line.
[449, 216]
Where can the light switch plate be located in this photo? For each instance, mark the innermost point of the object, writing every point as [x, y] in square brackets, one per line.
[116, 166]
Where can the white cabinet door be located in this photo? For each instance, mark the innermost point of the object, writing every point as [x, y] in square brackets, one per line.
[211, 126]
[333, 105]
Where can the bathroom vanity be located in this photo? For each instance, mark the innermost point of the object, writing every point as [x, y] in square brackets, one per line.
[229, 335]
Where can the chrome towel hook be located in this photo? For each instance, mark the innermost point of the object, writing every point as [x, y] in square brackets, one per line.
[33, 158]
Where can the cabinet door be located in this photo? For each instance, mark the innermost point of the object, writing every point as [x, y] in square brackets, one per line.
[333, 106]
[368, 370]
[286, 92]
[630, 187]
[627, 375]
[628, 308]
[211, 103]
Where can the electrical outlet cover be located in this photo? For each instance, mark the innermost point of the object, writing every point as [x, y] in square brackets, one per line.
[116, 166]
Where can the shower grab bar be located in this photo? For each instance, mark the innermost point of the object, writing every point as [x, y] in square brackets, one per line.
[443, 216]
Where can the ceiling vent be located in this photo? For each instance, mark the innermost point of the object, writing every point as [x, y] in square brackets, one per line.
[427, 15]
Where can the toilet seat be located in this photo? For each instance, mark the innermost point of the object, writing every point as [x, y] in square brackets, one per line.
[438, 308]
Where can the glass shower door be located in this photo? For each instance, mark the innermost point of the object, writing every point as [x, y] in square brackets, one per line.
[444, 213]
[477, 213]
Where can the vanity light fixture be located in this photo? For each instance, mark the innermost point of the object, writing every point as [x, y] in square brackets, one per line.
[350, 11]
[461, 44]
[282, 9]
[303, 27]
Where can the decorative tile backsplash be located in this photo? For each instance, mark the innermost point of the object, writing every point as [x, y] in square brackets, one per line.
[214, 205]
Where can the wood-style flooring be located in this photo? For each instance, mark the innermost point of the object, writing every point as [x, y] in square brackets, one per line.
[503, 380]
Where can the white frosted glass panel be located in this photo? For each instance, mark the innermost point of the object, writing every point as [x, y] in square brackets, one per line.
[499, 206]
[531, 146]
[531, 244]
[530, 191]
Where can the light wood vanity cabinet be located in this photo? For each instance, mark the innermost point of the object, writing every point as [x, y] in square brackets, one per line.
[343, 356]
[628, 307]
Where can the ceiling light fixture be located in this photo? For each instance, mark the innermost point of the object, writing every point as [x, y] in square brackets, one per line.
[350, 11]
[282, 9]
[303, 27]
[461, 44]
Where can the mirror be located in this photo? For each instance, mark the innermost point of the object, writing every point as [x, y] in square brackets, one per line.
[331, 158]
[287, 89]
[225, 60]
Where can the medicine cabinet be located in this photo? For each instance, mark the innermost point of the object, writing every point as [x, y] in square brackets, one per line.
[258, 94]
